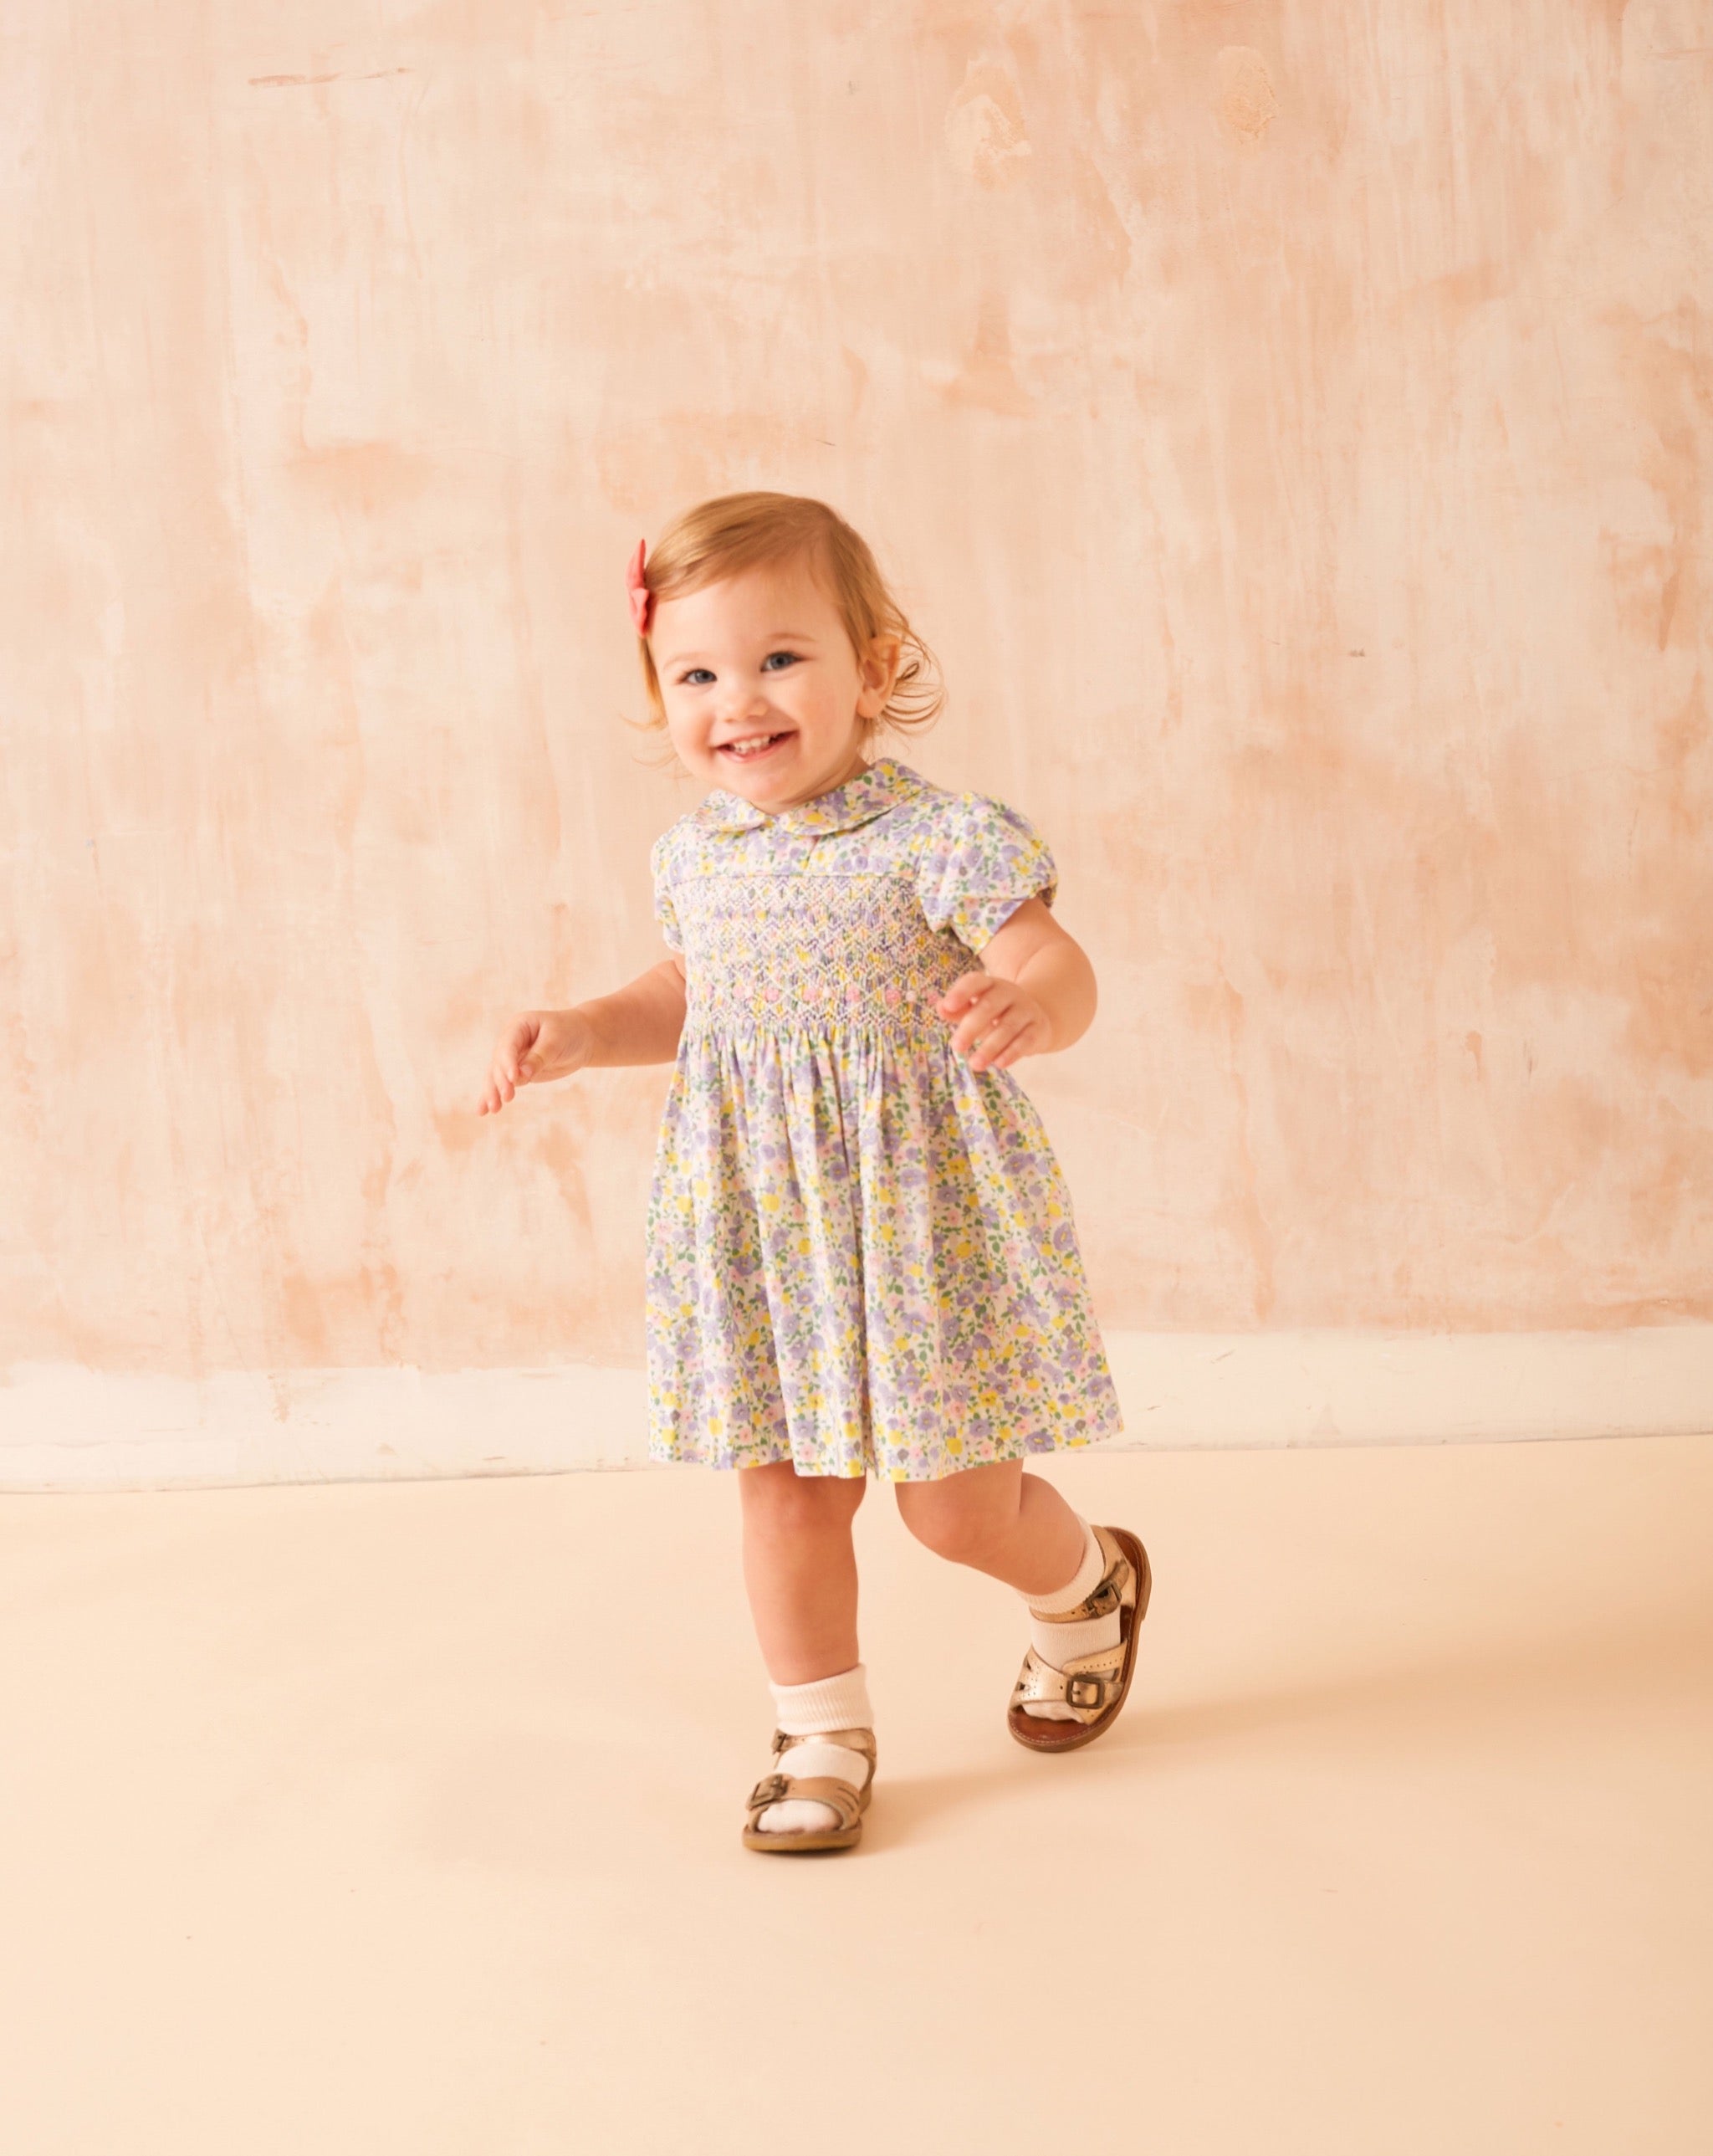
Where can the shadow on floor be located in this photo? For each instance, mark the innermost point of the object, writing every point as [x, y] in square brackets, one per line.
[1433, 1704]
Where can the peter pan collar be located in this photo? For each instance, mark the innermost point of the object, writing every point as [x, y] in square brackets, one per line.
[860, 800]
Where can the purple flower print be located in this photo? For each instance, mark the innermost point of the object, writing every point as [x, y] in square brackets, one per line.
[844, 1218]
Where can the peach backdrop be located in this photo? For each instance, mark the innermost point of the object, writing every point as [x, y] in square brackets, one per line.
[1290, 424]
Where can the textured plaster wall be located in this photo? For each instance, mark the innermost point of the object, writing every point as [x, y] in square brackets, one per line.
[1291, 424]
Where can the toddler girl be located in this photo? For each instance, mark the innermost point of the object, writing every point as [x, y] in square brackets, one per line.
[860, 1248]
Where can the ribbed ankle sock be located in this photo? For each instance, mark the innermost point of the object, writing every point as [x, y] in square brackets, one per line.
[1059, 1644]
[837, 1702]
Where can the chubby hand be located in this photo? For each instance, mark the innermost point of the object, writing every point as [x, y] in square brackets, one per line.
[536, 1046]
[1001, 1021]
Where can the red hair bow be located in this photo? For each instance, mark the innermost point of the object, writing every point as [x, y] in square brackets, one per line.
[642, 599]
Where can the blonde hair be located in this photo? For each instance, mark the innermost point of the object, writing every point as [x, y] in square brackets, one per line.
[737, 531]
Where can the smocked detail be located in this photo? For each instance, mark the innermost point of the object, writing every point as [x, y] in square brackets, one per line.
[792, 953]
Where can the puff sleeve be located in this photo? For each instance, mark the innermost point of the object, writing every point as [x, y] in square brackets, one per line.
[981, 861]
[659, 868]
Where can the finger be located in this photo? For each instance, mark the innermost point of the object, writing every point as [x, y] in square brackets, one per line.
[987, 1013]
[998, 1038]
[977, 1013]
[989, 1044]
[965, 990]
[1024, 1044]
[1016, 1010]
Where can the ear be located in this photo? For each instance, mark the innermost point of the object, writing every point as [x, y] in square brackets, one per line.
[878, 670]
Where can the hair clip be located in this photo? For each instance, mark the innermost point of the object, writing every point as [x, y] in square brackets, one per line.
[642, 599]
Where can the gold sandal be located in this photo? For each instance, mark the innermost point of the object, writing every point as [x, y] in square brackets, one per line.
[844, 1798]
[1093, 1686]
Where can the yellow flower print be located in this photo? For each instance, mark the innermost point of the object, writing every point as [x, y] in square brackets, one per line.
[844, 1218]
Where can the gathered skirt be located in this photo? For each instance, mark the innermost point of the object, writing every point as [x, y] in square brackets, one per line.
[862, 1256]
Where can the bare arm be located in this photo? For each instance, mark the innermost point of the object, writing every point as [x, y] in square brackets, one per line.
[1035, 993]
[639, 1022]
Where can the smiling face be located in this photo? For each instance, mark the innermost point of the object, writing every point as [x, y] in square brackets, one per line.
[764, 694]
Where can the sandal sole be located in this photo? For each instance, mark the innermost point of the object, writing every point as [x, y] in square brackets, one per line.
[1083, 1734]
[803, 1843]
[800, 1845]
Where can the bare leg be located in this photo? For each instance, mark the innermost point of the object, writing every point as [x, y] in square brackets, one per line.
[800, 1570]
[1000, 1521]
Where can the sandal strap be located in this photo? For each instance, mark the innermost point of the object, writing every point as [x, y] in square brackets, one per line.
[1107, 1596]
[1085, 1685]
[848, 1740]
[840, 1797]
[1115, 1589]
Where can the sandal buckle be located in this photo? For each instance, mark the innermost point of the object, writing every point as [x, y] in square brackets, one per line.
[769, 1790]
[1075, 1688]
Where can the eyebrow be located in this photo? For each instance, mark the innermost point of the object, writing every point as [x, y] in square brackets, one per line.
[773, 636]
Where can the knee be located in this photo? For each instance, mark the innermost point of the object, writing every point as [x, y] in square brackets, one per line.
[937, 1515]
[778, 1501]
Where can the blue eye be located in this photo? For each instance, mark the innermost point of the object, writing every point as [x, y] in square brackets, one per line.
[789, 657]
[696, 676]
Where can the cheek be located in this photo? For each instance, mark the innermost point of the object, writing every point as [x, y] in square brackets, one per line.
[818, 698]
[687, 731]
[793, 695]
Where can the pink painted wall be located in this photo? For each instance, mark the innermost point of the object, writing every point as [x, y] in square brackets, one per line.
[1291, 424]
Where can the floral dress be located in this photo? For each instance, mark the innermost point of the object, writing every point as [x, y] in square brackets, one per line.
[860, 1252]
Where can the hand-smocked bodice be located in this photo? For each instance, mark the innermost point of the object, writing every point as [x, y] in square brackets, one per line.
[793, 953]
[855, 911]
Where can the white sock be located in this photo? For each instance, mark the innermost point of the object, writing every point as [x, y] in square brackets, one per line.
[840, 1702]
[1059, 1644]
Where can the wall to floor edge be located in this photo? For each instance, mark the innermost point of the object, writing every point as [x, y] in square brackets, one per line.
[65, 1428]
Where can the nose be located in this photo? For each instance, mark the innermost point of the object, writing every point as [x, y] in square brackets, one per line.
[740, 700]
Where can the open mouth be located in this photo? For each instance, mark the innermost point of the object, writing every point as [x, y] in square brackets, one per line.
[755, 750]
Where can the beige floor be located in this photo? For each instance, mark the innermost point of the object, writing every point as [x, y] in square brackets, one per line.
[357, 1819]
